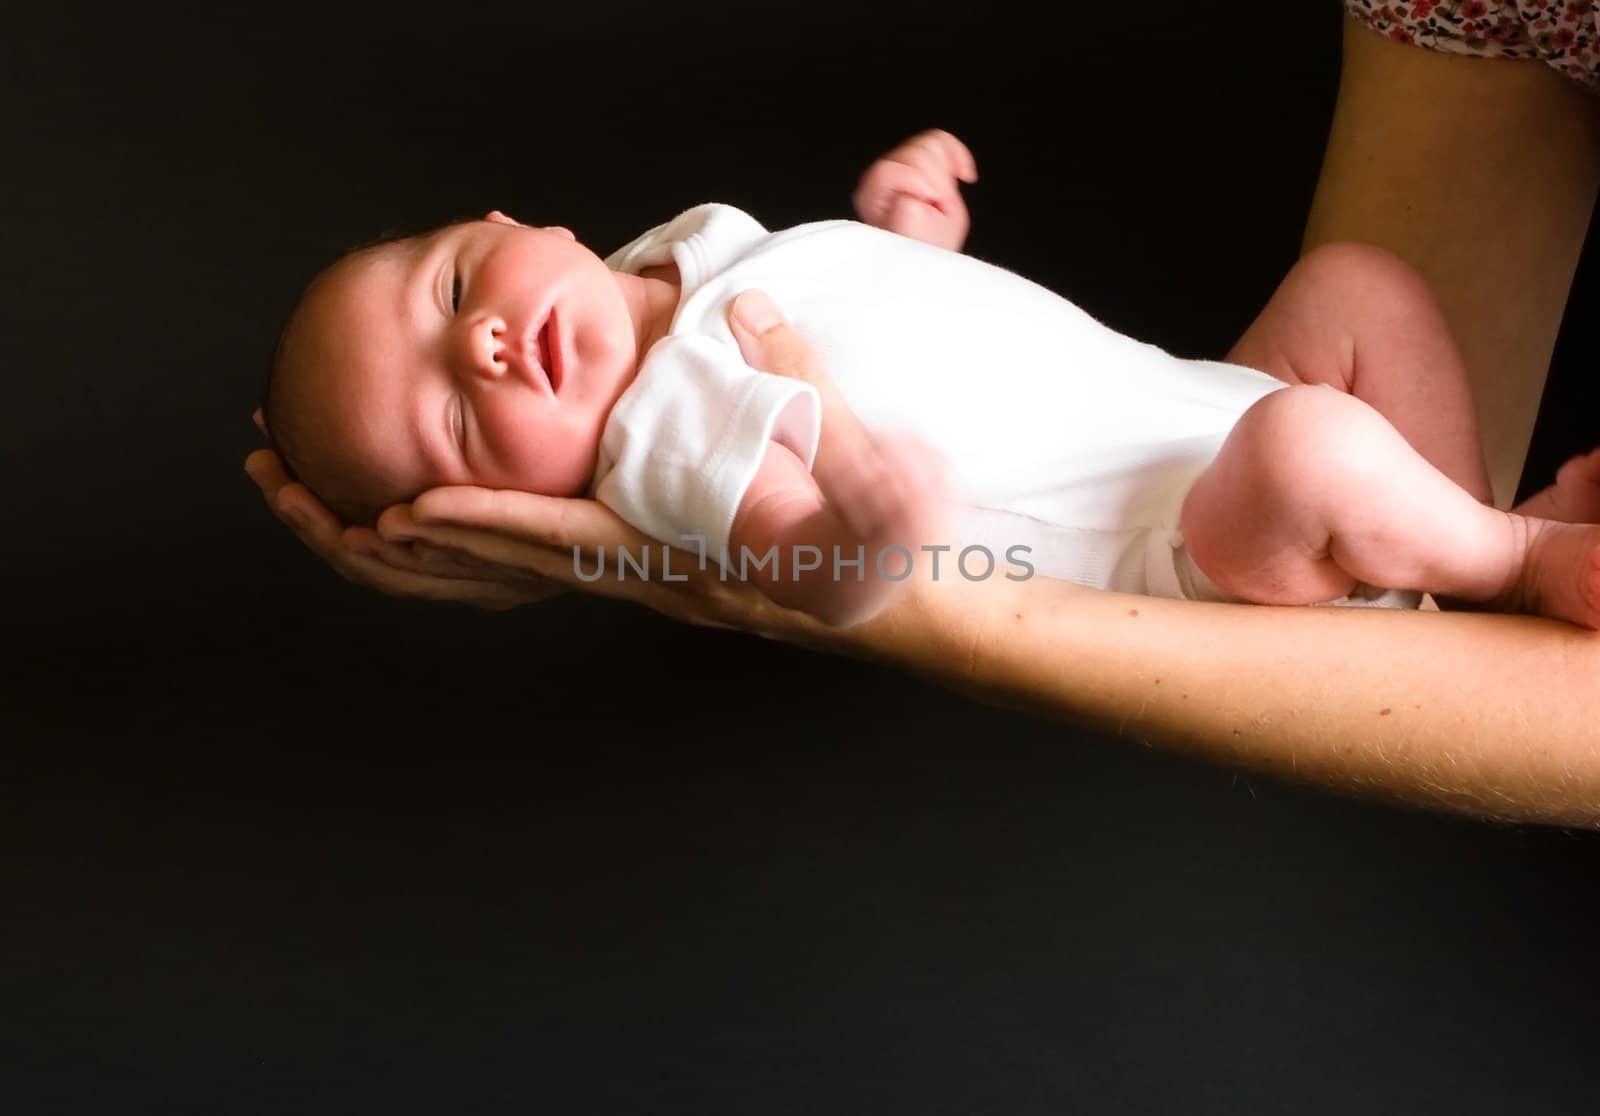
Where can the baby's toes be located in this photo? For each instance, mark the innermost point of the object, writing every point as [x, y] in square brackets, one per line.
[1565, 569]
[1587, 608]
[1581, 473]
[1575, 495]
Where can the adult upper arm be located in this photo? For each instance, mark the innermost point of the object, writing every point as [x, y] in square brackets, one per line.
[1482, 174]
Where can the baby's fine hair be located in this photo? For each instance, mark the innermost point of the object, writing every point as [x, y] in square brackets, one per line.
[282, 413]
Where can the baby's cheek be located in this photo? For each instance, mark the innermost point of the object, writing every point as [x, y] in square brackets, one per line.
[539, 448]
[548, 466]
[567, 465]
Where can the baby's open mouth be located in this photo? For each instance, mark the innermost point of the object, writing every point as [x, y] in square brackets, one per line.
[550, 352]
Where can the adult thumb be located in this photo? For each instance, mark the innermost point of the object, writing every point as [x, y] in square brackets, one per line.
[767, 341]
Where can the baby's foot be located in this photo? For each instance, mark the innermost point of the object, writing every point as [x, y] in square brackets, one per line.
[1560, 576]
[1574, 498]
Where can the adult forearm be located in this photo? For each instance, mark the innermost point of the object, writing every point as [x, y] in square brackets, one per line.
[1493, 715]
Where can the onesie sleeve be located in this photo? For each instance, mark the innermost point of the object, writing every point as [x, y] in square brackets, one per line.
[685, 440]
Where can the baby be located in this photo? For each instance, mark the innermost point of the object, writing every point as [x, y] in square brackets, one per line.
[1336, 453]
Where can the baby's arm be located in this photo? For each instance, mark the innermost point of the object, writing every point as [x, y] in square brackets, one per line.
[914, 190]
[892, 496]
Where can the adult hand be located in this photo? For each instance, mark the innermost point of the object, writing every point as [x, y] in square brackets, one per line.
[398, 569]
[926, 617]
[577, 543]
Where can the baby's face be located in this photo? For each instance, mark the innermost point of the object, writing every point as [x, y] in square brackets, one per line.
[485, 353]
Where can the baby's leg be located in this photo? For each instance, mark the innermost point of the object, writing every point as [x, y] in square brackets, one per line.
[1357, 318]
[1314, 491]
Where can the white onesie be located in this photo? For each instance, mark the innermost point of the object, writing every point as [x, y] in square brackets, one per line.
[1062, 435]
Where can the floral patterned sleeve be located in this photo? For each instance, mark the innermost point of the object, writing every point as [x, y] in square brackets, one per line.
[1563, 33]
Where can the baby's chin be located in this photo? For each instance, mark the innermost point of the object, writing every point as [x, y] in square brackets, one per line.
[576, 485]
[573, 490]
[569, 480]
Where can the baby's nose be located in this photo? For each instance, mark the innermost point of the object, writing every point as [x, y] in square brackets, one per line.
[504, 347]
[486, 347]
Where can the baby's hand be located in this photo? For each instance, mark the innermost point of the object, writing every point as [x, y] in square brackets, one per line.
[913, 190]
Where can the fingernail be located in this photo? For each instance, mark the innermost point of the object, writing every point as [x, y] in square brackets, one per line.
[296, 516]
[756, 312]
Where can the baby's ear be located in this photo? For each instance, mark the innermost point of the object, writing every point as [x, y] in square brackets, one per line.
[501, 219]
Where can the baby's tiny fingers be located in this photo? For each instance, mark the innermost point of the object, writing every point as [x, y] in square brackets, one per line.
[887, 185]
[888, 177]
[939, 164]
[958, 157]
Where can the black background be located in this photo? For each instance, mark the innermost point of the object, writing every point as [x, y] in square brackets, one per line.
[273, 843]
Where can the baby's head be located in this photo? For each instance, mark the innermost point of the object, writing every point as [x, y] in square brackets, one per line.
[485, 352]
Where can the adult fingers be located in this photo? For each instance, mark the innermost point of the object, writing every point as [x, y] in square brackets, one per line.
[378, 574]
[536, 536]
[547, 521]
[422, 557]
[510, 555]
[402, 570]
[264, 467]
[573, 543]
[294, 504]
[362, 556]
[691, 594]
